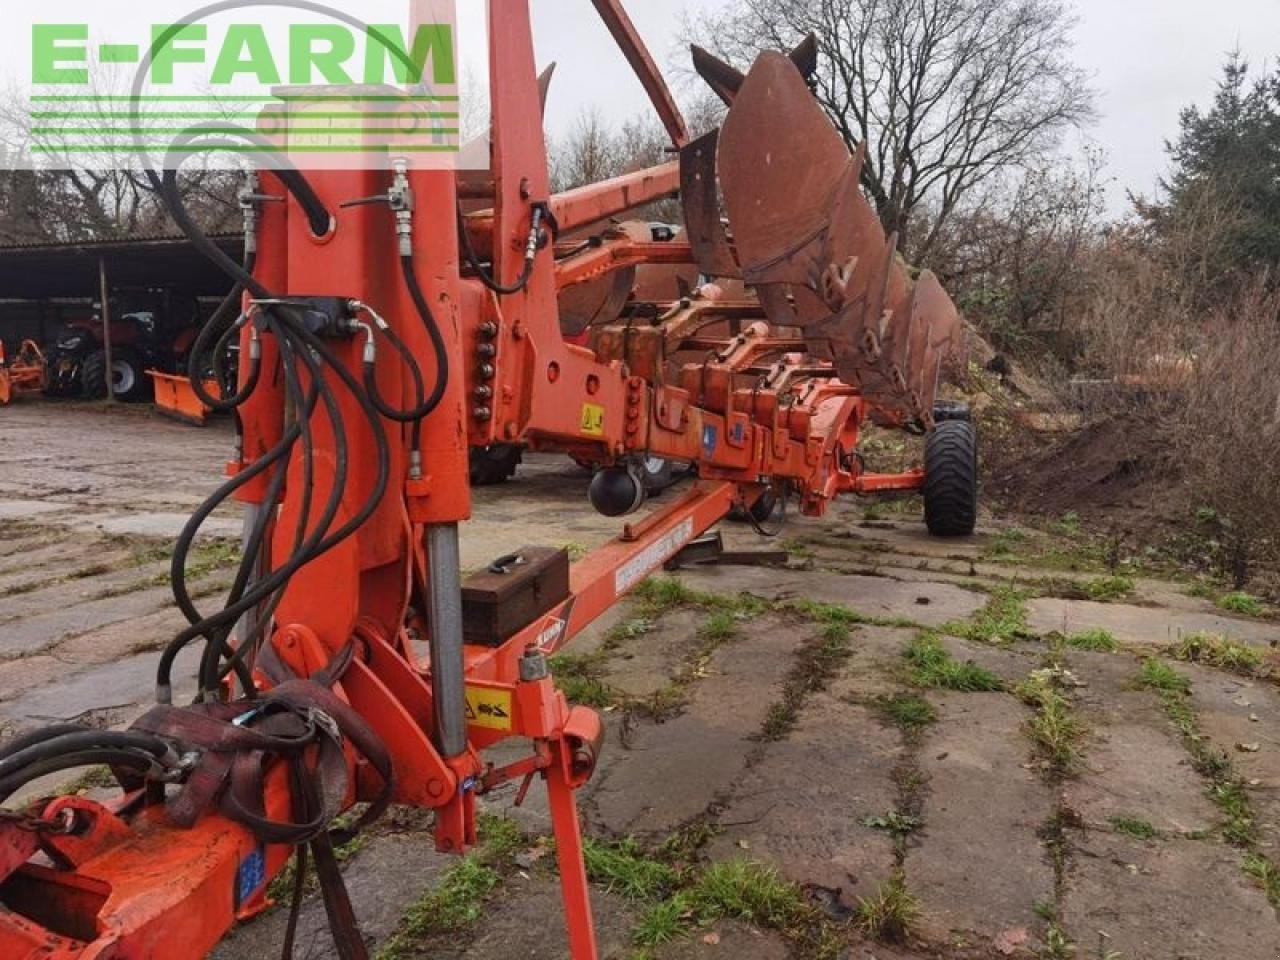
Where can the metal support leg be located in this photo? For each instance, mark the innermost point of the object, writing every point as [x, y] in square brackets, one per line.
[573, 872]
[448, 677]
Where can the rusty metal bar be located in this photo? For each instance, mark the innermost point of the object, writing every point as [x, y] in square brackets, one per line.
[637, 54]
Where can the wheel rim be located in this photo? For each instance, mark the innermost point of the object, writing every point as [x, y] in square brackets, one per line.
[123, 377]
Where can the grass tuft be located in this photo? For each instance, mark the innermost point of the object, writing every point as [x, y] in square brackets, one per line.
[729, 889]
[1097, 641]
[1110, 589]
[720, 627]
[625, 869]
[459, 899]
[817, 663]
[907, 711]
[1265, 873]
[581, 678]
[1054, 729]
[1002, 619]
[1215, 650]
[890, 915]
[1135, 827]
[1242, 603]
[932, 667]
[1158, 675]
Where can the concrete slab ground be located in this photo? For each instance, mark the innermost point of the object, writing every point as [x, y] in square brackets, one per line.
[879, 785]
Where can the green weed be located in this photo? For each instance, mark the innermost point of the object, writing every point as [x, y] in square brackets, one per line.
[459, 899]
[1135, 827]
[1109, 589]
[890, 915]
[1216, 650]
[1097, 641]
[1265, 873]
[1242, 603]
[817, 663]
[624, 868]
[1054, 728]
[909, 712]
[932, 667]
[1158, 675]
[1002, 619]
[581, 678]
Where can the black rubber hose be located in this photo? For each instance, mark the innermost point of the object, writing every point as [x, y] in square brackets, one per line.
[82, 739]
[177, 567]
[469, 252]
[277, 578]
[215, 652]
[37, 736]
[137, 760]
[433, 331]
[267, 585]
[215, 136]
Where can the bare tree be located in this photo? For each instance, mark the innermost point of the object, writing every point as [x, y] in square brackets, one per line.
[1017, 256]
[590, 152]
[945, 93]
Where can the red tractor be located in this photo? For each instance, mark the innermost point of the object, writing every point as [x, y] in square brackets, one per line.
[149, 330]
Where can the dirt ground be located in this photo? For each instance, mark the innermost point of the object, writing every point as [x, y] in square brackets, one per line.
[1001, 743]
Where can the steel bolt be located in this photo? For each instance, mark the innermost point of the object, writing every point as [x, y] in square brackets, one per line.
[533, 666]
[482, 413]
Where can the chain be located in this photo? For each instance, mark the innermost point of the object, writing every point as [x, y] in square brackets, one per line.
[64, 824]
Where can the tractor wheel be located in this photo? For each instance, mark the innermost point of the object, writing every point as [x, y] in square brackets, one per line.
[945, 410]
[951, 479]
[493, 465]
[127, 379]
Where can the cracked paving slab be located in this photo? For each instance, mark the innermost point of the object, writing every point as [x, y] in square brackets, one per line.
[1134, 625]
[1135, 764]
[980, 867]
[669, 773]
[1182, 899]
[927, 603]
[804, 805]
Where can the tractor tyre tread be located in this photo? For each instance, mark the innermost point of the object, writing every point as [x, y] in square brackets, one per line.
[951, 479]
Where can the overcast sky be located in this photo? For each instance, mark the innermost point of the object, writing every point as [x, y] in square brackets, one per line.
[1147, 58]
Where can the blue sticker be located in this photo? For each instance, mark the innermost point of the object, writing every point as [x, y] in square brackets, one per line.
[251, 875]
[709, 437]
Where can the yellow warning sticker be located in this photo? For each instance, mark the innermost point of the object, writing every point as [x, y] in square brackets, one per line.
[489, 708]
[592, 420]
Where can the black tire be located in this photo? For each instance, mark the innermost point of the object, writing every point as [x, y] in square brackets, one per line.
[493, 465]
[951, 479]
[945, 410]
[129, 382]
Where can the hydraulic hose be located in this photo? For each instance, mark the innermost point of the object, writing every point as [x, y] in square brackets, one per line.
[540, 212]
